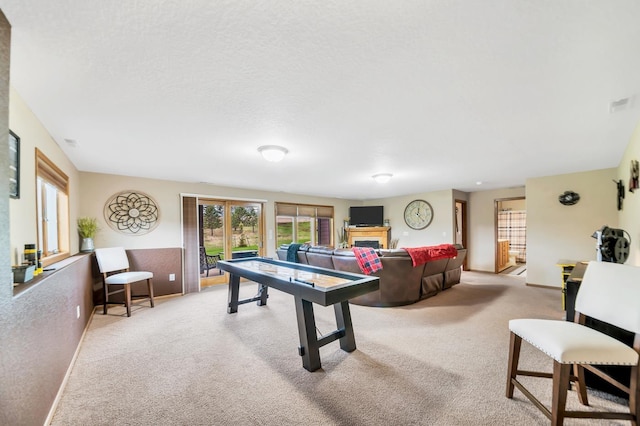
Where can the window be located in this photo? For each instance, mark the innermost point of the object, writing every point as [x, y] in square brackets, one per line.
[302, 223]
[52, 200]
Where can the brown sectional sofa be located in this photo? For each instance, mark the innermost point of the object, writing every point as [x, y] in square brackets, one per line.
[400, 283]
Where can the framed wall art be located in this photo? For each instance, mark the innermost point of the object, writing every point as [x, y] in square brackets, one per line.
[132, 212]
[14, 165]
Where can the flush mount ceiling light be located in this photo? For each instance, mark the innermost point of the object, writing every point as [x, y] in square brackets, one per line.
[273, 152]
[382, 177]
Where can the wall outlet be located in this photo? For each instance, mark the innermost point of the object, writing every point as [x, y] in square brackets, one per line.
[172, 277]
[78, 312]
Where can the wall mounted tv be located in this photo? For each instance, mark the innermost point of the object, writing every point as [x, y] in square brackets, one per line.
[366, 216]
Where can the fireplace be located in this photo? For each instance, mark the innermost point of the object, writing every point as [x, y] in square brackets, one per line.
[367, 236]
[367, 243]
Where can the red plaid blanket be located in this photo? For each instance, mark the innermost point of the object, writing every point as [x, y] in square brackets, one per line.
[420, 255]
[367, 259]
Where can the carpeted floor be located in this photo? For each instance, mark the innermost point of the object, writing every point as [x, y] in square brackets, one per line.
[438, 362]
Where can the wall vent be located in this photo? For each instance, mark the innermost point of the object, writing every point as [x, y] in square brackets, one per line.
[619, 105]
[71, 142]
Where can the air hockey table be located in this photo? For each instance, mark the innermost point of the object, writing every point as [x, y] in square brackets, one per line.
[308, 285]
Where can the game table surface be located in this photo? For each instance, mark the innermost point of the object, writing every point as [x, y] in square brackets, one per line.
[312, 283]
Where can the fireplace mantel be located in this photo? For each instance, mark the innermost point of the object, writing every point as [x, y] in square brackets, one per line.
[381, 234]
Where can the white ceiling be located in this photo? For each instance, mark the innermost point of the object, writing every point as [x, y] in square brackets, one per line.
[440, 93]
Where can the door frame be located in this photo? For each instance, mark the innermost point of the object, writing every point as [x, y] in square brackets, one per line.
[190, 226]
[464, 226]
[496, 202]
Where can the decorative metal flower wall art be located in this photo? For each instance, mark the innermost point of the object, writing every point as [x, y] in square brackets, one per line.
[131, 212]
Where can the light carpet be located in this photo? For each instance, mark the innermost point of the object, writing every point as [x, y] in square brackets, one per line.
[441, 361]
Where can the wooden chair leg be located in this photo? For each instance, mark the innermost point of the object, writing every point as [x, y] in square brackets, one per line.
[514, 355]
[634, 394]
[105, 296]
[561, 375]
[150, 289]
[127, 298]
[581, 388]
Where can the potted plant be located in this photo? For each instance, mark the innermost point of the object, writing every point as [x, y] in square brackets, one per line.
[342, 238]
[87, 229]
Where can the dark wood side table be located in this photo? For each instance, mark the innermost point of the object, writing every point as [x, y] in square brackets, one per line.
[620, 373]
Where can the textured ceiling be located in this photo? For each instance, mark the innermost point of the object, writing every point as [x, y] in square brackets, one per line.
[440, 93]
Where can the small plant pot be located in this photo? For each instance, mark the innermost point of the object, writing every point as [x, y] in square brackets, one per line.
[23, 273]
[87, 245]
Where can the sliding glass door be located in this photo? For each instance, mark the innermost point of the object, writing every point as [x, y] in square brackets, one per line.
[227, 230]
[246, 229]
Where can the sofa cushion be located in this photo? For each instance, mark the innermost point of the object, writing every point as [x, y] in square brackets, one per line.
[393, 253]
[433, 277]
[399, 281]
[321, 250]
[453, 272]
[302, 253]
[320, 256]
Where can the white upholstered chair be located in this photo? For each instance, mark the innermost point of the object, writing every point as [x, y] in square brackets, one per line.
[114, 268]
[609, 292]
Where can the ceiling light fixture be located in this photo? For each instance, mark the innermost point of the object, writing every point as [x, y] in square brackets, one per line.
[382, 177]
[273, 153]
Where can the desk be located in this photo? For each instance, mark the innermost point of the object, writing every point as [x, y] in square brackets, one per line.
[308, 285]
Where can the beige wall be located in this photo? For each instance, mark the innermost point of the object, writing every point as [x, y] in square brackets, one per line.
[629, 216]
[482, 226]
[438, 232]
[22, 211]
[39, 330]
[5, 238]
[555, 231]
[96, 189]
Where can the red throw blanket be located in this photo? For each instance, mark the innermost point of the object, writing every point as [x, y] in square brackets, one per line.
[421, 255]
[367, 259]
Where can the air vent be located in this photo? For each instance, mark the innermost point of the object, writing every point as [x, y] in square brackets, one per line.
[619, 105]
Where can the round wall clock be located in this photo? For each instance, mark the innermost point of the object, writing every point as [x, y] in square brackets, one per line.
[418, 214]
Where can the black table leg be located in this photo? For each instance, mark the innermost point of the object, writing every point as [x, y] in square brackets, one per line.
[263, 293]
[309, 347]
[343, 320]
[234, 292]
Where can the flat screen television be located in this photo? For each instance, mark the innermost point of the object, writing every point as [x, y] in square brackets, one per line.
[366, 216]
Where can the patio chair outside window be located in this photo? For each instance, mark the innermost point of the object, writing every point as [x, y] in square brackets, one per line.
[208, 261]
